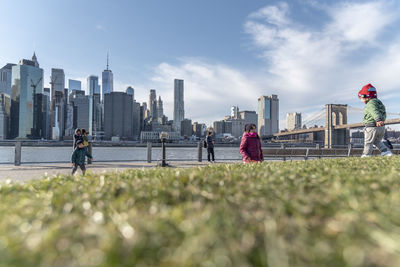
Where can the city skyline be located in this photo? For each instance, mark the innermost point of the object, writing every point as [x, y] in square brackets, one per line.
[318, 52]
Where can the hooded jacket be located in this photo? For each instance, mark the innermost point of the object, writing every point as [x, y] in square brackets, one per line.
[77, 137]
[374, 111]
[78, 157]
[250, 147]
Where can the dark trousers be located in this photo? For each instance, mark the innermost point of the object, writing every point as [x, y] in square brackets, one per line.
[210, 151]
[83, 168]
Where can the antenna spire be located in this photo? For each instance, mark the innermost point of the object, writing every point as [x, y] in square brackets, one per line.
[107, 60]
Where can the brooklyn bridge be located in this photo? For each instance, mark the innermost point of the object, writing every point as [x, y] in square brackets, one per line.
[336, 131]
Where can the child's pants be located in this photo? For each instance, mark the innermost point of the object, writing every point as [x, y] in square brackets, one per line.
[373, 137]
[83, 168]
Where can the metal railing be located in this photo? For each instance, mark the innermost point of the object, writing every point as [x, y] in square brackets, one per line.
[278, 153]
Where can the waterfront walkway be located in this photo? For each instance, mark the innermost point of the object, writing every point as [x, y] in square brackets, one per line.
[27, 172]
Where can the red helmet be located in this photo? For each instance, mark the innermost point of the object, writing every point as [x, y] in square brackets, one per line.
[368, 91]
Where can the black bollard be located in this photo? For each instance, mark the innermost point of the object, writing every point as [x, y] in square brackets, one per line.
[163, 162]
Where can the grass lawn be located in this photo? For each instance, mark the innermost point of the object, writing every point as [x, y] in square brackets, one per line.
[331, 212]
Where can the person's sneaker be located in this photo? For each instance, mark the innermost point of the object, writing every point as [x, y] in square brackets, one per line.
[387, 153]
[365, 156]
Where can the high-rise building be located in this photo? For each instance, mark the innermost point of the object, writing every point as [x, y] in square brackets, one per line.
[179, 110]
[107, 81]
[74, 85]
[186, 127]
[93, 85]
[235, 126]
[47, 113]
[153, 104]
[130, 91]
[58, 104]
[249, 116]
[136, 124]
[27, 83]
[81, 108]
[5, 104]
[293, 121]
[198, 129]
[268, 115]
[235, 112]
[5, 79]
[160, 110]
[118, 115]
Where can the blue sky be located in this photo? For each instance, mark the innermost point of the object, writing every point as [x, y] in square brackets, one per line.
[228, 52]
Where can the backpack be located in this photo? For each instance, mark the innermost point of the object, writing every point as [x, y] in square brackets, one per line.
[205, 143]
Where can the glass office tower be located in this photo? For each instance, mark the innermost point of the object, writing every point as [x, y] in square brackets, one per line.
[27, 84]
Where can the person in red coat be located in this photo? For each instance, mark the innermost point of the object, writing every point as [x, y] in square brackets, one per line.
[250, 147]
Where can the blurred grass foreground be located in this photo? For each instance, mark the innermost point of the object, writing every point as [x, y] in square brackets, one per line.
[333, 212]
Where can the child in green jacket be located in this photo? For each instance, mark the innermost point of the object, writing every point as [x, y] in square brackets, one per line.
[78, 157]
[374, 117]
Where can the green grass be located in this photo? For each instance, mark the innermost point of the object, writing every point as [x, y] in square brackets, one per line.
[339, 212]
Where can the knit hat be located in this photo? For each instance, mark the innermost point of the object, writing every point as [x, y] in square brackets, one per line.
[368, 91]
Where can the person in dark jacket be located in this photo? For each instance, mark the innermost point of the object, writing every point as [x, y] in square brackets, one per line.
[210, 147]
[78, 157]
[250, 146]
[77, 137]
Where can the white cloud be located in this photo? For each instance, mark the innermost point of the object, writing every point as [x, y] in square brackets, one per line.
[306, 66]
[313, 67]
[360, 22]
[210, 89]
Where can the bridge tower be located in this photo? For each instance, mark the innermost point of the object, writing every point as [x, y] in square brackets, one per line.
[336, 114]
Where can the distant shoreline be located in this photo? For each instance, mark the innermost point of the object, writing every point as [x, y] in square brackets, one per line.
[67, 143]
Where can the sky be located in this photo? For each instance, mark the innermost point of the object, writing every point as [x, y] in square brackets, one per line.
[309, 53]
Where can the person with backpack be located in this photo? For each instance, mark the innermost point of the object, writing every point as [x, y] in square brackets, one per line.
[250, 146]
[374, 117]
[209, 143]
[78, 157]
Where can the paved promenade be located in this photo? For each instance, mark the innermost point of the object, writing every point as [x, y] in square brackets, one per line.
[27, 172]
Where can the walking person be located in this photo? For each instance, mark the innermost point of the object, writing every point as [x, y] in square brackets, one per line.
[77, 137]
[78, 157]
[250, 146]
[210, 147]
[374, 117]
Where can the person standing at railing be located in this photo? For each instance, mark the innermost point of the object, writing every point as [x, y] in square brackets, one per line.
[210, 147]
[250, 146]
[374, 117]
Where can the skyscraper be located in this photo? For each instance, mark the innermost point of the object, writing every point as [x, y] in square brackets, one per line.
[5, 103]
[93, 85]
[235, 112]
[93, 90]
[5, 79]
[293, 121]
[153, 104]
[80, 103]
[179, 110]
[74, 85]
[118, 115]
[160, 110]
[130, 91]
[107, 81]
[58, 104]
[268, 115]
[27, 83]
